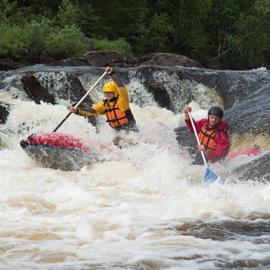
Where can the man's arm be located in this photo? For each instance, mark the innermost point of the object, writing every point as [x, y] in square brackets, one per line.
[98, 108]
[95, 109]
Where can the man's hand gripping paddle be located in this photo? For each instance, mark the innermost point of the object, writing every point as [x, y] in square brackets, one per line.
[209, 176]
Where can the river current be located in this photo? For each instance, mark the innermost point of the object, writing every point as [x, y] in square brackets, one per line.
[141, 207]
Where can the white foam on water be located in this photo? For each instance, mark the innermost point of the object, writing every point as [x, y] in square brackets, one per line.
[123, 210]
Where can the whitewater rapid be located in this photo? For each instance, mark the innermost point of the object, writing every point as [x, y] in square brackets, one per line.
[141, 207]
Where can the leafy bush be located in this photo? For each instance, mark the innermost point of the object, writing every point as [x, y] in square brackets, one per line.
[65, 42]
[41, 37]
[10, 39]
[118, 45]
[35, 35]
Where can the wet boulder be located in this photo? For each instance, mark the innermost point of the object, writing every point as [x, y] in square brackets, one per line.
[165, 84]
[76, 89]
[232, 86]
[171, 59]
[105, 58]
[256, 170]
[35, 90]
[99, 59]
[115, 59]
[4, 112]
[72, 90]
[9, 64]
[78, 92]
[252, 114]
[159, 92]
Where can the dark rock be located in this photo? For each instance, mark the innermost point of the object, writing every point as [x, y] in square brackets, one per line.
[29, 56]
[232, 86]
[98, 59]
[72, 90]
[8, 64]
[4, 112]
[25, 56]
[171, 59]
[164, 90]
[78, 92]
[159, 92]
[78, 61]
[35, 90]
[101, 58]
[112, 58]
[252, 114]
[258, 169]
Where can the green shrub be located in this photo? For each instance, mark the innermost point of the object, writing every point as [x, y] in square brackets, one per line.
[66, 42]
[41, 37]
[118, 45]
[35, 34]
[11, 39]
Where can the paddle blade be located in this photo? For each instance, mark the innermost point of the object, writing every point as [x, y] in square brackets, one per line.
[210, 177]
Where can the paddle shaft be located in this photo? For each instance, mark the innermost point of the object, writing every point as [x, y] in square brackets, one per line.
[80, 101]
[197, 138]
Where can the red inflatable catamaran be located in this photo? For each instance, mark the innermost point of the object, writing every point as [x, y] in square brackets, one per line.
[57, 151]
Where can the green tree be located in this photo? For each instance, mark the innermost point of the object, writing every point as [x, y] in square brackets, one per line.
[7, 9]
[68, 13]
[222, 23]
[241, 31]
[232, 33]
[159, 34]
[251, 42]
[121, 19]
[88, 20]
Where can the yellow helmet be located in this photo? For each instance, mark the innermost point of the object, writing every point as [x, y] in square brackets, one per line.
[110, 87]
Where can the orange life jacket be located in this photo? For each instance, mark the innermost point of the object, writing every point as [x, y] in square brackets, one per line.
[207, 137]
[115, 117]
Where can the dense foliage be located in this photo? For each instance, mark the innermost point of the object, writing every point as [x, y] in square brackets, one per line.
[222, 33]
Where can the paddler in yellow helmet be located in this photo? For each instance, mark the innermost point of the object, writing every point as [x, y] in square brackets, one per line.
[115, 106]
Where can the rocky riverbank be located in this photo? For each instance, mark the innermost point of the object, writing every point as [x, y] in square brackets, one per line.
[101, 59]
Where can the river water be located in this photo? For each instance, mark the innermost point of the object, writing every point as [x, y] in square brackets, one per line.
[141, 207]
